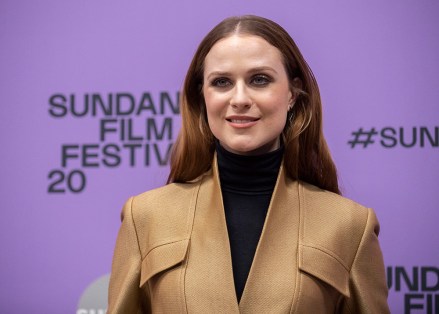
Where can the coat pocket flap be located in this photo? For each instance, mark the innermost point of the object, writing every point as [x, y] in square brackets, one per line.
[161, 258]
[325, 267]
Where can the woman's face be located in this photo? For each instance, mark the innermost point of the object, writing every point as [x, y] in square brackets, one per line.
[247, 94]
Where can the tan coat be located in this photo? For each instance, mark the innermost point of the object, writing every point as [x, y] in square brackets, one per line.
[318, 253]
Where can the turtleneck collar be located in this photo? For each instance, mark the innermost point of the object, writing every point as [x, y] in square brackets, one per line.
[248, 174]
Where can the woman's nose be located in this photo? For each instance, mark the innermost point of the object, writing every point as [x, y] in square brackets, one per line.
[240, 97]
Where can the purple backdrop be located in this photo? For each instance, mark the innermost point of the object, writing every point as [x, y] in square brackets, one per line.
[376, 64]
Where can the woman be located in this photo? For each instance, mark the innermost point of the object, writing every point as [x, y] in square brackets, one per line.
[251, 220]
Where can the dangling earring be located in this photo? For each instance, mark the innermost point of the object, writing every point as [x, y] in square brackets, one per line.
[290, 117]
[290, 112]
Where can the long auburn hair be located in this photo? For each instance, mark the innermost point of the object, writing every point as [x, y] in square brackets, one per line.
[306, 154]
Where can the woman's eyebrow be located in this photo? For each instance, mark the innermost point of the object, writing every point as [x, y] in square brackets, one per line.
[262, 68]
[218, 73]
[251, 71]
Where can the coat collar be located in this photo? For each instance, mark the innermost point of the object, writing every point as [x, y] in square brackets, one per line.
[272, 280]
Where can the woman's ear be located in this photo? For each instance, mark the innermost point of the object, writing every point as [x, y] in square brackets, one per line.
[296, 86]
[295, 89]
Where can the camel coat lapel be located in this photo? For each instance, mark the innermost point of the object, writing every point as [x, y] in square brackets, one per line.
[273, 275]
[209, 267]
[209, 285]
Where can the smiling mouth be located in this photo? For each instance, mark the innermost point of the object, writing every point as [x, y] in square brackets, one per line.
[242, 120]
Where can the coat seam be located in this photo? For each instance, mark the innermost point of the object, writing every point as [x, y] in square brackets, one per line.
[297, 289]
[137, 239]
[190, 228]
[358, 249]
[363, 235]
[135, 227]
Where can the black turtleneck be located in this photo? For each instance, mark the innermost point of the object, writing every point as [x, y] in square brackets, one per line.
[247, 183]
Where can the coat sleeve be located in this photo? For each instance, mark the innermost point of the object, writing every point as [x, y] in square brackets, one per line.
[367, 284]
[124, 294]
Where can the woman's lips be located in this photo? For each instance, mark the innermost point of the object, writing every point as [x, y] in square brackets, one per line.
[242, 122]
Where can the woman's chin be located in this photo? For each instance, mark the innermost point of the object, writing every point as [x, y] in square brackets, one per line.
[249, 149]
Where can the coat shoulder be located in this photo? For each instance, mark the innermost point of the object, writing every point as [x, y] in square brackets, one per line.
[329, 203]
[333, 223]
[170, 195]
[163, 215]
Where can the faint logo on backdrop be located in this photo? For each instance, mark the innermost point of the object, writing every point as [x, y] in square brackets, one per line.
[95, 297]
[418, 285]
[390, 137]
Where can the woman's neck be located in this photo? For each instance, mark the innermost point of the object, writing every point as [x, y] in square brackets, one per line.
[248, 174]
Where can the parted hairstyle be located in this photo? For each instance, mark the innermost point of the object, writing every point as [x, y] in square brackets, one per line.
[306, 154]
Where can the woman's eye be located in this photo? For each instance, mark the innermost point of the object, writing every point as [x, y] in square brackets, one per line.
[261, 80]
[221, 82]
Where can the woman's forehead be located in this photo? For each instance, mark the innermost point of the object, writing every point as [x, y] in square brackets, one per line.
[242, 51]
